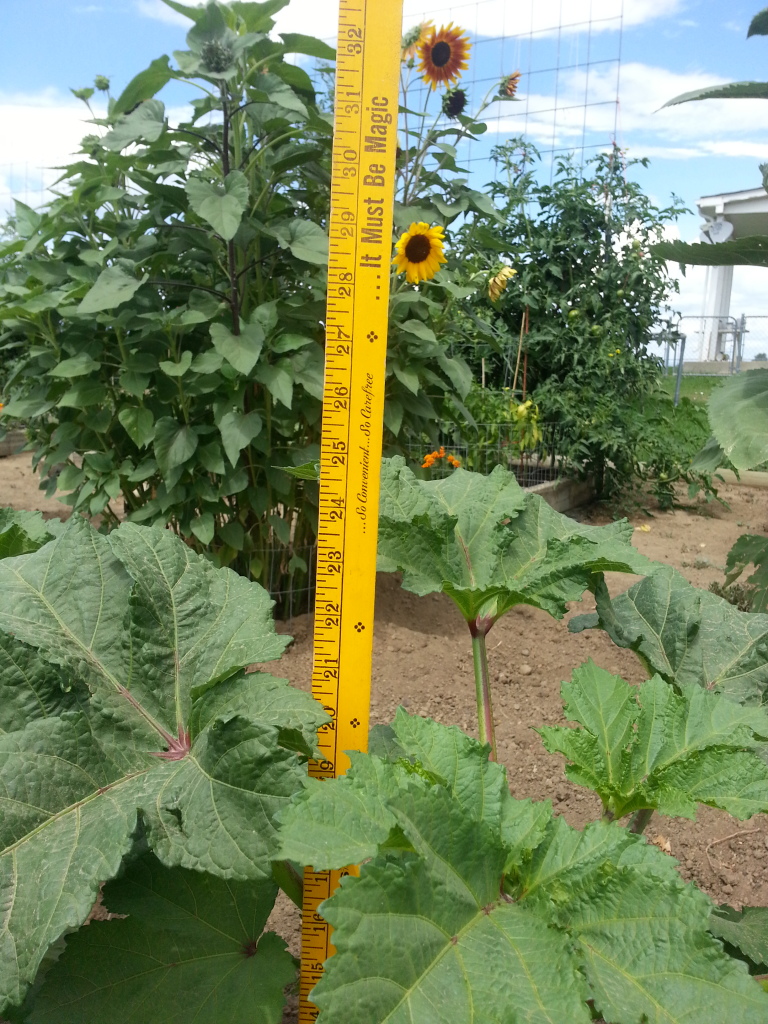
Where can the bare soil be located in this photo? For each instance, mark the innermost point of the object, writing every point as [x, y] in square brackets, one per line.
[422, 661]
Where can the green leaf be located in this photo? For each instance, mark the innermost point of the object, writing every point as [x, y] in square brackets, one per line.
[344, 824]
[709, 459]
[446, 930]
[23, 532]
[27, 220]
[489, 545]
[746, 929]
[113, 286]
[174, 444]
[237, 431]
[407, 377]
[731, 91]
[647, 957]
[30, 689]
[305, 239]
[471, 893]
[195, 13]
[184, 933]
[146, 123]
[750, 251]
[294, 42]
[204, 527]
[686, 635]
[82, 394]
[172, 369]
[139, 424]
[759, 24]
[278, 381]
[76, 366]
[650, 747]
[144, 85]
[738, 415]
[133, 629]
[750, 549]
[68, 819]
[220, 204]
[240, 350]
[306, 471]
[256, 16]
[419, 329]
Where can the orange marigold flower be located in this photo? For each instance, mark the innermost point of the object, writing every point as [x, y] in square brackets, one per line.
[453, 462]
[432, 458]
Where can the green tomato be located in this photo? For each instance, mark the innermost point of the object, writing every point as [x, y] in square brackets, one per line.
[620, 293]
[574, 314]
[596, 330]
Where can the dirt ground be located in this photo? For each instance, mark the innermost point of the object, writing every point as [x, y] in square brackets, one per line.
[422, 660]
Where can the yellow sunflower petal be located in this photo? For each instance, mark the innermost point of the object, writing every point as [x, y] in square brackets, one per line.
[443, 55]
[419, 252]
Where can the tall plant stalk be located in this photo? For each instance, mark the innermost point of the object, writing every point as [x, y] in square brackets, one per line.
[485, 724]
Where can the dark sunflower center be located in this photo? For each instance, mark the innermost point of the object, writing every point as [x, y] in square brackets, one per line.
[441, 54]
[417, 248]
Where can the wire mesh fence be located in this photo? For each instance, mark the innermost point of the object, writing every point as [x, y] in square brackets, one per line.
[480, 447]
[568, 53]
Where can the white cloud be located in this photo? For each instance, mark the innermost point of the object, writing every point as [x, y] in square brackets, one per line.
[708, 128]
[41, 131]
[481, 17]
[156, 9]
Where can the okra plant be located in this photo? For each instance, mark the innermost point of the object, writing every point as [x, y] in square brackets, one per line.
[142, 769]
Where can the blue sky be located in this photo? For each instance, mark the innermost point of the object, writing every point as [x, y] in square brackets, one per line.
[666, 47]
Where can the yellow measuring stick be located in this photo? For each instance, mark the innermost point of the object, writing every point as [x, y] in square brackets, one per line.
[362, 195]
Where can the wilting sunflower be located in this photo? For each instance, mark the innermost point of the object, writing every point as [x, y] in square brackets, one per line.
[509, 85]
[498, 283]
[414, 37]
[444, 55]
[419, 252]
[454, 102]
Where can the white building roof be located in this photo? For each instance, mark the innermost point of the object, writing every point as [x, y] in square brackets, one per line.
[747, 210]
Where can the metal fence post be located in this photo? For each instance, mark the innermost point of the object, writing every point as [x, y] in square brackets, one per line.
[740, 341]
[679, 380]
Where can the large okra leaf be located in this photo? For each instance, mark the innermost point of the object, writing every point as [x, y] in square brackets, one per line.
[191, 948]
[750, 549]
[490, 545]
[650, 747]
[21, 532]
[454, 922]
[746, 929]
[153, 721]
[346, 823]
[686, 635]
[31, 688]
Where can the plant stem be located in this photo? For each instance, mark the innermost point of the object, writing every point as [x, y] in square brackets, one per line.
[639, 821]
[478, 629]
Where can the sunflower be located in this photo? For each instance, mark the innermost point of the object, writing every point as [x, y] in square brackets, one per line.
[414, 38]
[498, 283]
[419, 252]
[444, 55]
[509, 85]
[454, 102]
